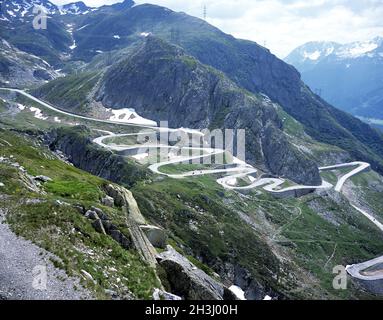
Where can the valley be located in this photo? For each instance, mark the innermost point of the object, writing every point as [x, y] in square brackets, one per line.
[147, 155]
[239, 172]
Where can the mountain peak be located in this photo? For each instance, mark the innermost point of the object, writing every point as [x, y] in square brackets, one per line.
[314, 52]
[126, 4]
[78, 7]
[20, 9]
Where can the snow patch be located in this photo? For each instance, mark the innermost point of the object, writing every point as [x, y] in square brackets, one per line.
[240, 294]
[73, 46]
[116, 36]
[191, 131]
[129, 116]
[145, 34]
[38, 113]
[21, 107]
[312, 56]
[357, 49]
[11, 13]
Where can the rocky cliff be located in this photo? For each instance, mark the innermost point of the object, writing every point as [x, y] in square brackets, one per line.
[161, 82]
[20, 69]
[78, 147]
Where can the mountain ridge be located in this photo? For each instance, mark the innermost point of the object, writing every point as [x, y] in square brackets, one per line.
[349, 77]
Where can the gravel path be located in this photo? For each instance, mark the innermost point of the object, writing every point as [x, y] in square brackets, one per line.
[21, 260]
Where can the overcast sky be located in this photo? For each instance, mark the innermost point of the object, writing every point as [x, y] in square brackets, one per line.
[282, 25]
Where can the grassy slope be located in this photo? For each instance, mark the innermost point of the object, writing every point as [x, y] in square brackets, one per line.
[306, 238]
[61, 229]
[70, 92]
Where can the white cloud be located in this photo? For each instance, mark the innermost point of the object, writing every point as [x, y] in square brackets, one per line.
[284, 24]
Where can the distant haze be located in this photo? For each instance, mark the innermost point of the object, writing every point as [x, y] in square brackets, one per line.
[282, 25]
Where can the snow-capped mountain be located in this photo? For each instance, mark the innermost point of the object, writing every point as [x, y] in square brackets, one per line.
[11, 10]
[369, 49]
[76, 8]
[312, 53]
[350, 76]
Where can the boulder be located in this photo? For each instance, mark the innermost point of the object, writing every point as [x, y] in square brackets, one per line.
[163, 295]
[108, 201]
[116, 194]
[156, 236]
[97, 225]
[42, 179]
[186, 280]
[100, 213]
[87, 275]
[80, 208]
[125, 242]
[124, 198]
[92, 215]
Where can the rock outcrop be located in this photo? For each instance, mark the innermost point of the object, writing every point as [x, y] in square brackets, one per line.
[20, 69]
[189, 282]
[156, 236]
[134, 219]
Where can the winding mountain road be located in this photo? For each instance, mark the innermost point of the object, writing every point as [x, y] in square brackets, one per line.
[241, 170]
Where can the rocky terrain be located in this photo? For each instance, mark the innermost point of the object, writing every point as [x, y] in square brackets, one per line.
[115, 228]
[19, 258]
[20, 69]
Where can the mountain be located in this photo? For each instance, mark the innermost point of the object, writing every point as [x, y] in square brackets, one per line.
[156, 73]
[75, 8]
[123, 229]
[16, 27]
[248, 64]
[20, 69]
[21, 10]
[348, 76]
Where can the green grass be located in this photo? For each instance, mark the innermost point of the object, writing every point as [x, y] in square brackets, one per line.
[370, 186]
[70, 91]
[295, 229]
[61, 229]
[290, 125]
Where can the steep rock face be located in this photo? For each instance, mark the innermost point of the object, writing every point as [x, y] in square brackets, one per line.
[18, 68]
[78, 147]
[189, 282]
[255, 69]
[163, 83]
